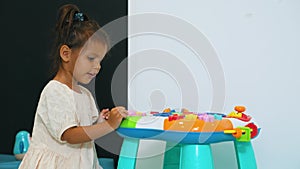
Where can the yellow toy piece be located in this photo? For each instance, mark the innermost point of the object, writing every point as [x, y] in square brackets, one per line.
[235, 115]
[240, 133]
[191, 117]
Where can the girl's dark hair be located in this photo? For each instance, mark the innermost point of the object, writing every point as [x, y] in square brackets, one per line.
[73, 28]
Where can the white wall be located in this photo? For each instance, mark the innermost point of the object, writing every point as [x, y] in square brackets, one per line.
[258, 46]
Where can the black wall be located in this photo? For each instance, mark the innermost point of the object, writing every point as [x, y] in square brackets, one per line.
[25, 46]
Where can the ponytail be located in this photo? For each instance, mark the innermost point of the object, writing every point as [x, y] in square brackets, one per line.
[73, 28]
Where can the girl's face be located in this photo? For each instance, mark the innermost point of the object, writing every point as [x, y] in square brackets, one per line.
[87, 62]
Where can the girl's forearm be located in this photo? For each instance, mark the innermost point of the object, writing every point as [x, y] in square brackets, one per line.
[81, 134]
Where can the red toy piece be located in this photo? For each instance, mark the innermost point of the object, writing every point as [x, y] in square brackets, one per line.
[245, 117]
[254, 131]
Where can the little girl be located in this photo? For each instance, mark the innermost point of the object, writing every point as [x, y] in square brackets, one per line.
[66, 120]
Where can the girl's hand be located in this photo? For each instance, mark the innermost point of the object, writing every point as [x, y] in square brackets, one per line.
[121, 110]
[105, 114]
[116, 115]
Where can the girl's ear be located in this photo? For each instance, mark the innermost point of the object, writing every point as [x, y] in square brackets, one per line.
[65, 53]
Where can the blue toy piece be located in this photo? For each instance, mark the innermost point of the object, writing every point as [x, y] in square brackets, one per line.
[175, 136]
[21, 143]
[163, 114]
[8, 161]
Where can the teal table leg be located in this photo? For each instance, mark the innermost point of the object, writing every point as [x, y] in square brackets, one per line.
[172, 156]
[196, 157]
[245, 155]
[128, 154]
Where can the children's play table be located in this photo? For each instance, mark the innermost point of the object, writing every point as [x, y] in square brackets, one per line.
[184, 150]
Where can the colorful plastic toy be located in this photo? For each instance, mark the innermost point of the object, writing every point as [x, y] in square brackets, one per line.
[21, 145]
[186, 121]
[188, 136]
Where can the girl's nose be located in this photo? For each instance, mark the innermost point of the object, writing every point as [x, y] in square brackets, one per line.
[97, 66]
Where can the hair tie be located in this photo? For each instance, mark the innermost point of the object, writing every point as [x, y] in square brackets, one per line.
[79, 16]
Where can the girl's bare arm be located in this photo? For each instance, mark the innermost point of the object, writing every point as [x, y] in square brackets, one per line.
[81, 134]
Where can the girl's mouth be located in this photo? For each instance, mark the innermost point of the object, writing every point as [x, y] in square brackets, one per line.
[92, 75]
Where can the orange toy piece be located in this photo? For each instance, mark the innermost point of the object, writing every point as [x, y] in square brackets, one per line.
[238, 133]
[197, 125]
[167, 110]
[240, 109]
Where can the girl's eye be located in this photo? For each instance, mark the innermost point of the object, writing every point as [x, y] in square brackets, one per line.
[91, 58]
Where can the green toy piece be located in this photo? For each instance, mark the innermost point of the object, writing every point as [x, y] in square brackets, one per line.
[130, 122]
[246, 136]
